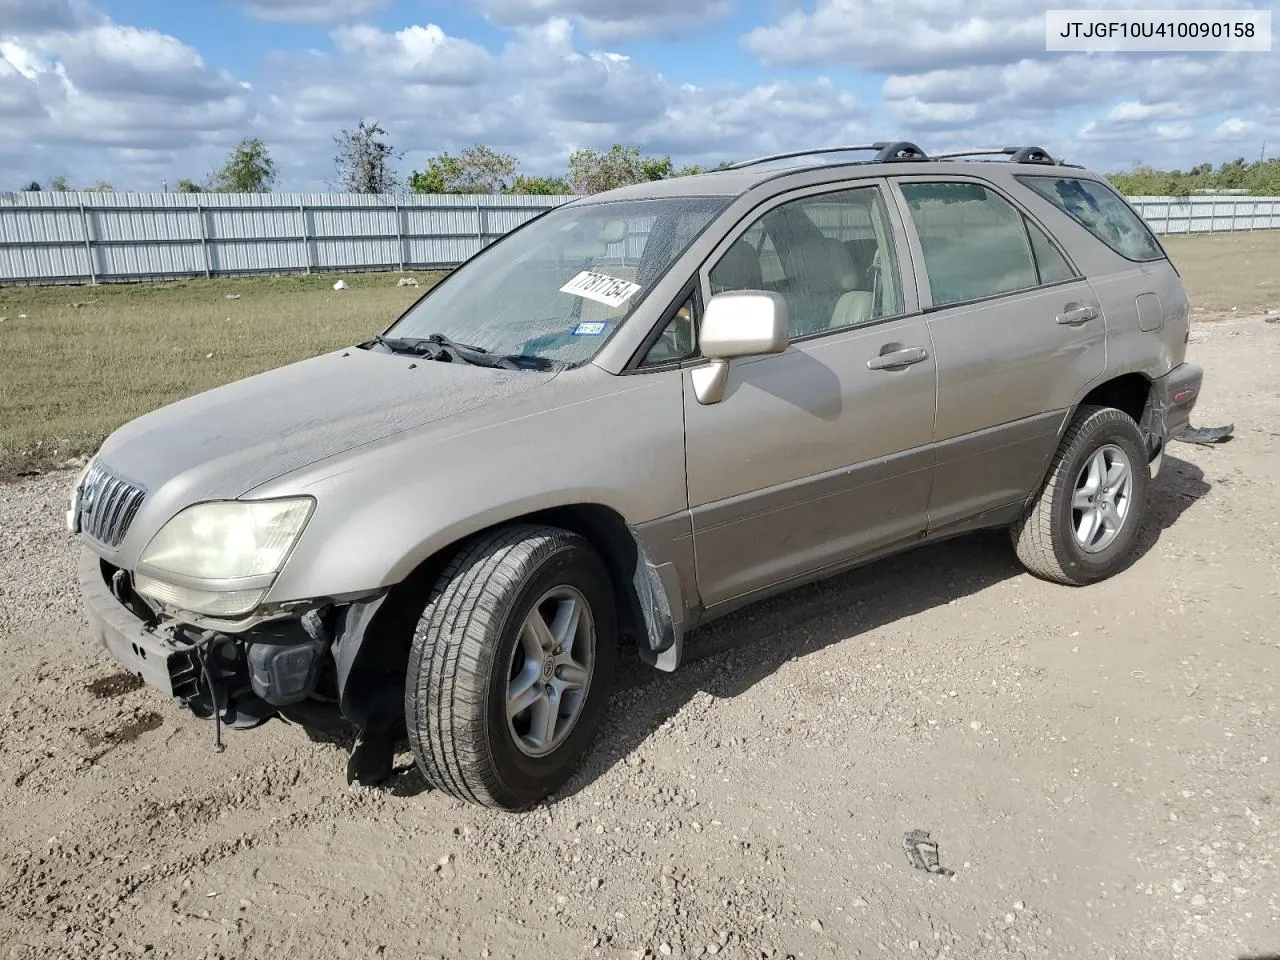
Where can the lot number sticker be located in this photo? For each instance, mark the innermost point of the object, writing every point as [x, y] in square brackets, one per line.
[610, 291]
[589, 328]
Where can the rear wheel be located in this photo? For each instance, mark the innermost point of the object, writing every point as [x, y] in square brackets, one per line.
[511, 665]
[1083, 525]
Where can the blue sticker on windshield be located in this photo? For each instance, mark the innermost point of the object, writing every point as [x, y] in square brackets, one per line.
[590, 328]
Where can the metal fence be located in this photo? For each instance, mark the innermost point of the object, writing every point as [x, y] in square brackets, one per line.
[97, 237]
[1173, 215]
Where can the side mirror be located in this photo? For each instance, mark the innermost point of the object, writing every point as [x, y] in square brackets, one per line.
[746, 323]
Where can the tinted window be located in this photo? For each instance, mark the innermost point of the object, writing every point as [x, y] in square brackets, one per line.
[975, 242]
[830, 256]
[1050, 264]
[1101, 211]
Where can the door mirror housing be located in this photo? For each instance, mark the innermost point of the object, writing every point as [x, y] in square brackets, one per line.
[742, 323]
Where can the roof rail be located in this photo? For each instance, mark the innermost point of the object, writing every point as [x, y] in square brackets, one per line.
[1015, 155]
[885, 152]
[800, 153]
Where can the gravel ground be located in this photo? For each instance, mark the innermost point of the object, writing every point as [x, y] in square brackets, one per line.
[1101, 768]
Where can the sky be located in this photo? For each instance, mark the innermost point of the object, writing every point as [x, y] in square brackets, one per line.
[142, 92]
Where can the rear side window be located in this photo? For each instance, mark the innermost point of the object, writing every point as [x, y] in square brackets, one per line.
[1101, 211]
[975, 242]
[1050, 263]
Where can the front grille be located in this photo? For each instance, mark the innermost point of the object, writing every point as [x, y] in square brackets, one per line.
[107, 505]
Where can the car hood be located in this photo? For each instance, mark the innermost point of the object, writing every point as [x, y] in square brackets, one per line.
[223, 443]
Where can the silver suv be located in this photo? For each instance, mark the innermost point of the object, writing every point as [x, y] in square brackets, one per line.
[633, 414]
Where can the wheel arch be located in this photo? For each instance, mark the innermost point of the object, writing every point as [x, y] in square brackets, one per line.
[373, 638]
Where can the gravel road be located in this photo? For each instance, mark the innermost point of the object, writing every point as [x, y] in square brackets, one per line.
[1100, 766]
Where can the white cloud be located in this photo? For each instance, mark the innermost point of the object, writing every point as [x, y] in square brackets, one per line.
[44, 16]
[83, 95]
[1137, 111]
[540, 98]
[115, 101]
[1234, 129]
[609, 20]
[901, 35]
[417, 54]
[312, 11]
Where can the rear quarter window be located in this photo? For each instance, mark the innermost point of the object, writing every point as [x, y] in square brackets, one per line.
[1101, 211]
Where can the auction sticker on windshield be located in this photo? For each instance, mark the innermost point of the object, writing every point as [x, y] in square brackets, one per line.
[610, 291]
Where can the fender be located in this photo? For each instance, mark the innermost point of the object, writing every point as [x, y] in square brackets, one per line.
[372, 637]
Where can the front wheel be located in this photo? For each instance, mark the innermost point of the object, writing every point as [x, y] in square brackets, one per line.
[511, 665]
[1084, 523]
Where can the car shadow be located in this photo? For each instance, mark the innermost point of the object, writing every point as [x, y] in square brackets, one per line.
[731, 655]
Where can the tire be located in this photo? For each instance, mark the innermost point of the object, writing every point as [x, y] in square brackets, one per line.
[1054, 539]
[472, 650]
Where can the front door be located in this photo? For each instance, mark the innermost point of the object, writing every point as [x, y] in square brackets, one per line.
[820, 454]
[1017, 333]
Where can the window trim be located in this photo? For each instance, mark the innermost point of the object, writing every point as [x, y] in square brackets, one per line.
[910, 303]
[924, 289]
[1022, 179]
[636, 364]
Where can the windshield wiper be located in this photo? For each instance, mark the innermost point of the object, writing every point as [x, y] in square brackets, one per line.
[437, 346]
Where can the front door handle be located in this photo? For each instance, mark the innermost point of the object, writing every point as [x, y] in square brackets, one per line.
[1074, 313]
[897, 359]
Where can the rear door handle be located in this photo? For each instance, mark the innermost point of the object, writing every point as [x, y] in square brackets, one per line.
[898, 358]
[1074, 313]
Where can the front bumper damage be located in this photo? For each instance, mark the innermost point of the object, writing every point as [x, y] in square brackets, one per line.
[287, 668]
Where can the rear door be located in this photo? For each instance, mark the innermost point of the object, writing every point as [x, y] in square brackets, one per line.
[1018, 336]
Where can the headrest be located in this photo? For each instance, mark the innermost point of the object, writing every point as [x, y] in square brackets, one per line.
[738, 269]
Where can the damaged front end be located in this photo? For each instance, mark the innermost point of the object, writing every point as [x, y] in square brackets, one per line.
[306, 667]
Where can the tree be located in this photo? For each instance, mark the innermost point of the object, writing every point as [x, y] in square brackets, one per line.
[364, 159]
[655, 168]
[59, 184]
[249, 169]
[592, 172]
[100, 186]
[479, 169]
[541, 186]
[188, 186]
[33, 187]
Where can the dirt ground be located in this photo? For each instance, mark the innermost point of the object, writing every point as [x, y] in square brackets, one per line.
[1100, 766]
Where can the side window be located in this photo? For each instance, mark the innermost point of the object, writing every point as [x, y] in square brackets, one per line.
[830, 256]
[677, 340]
[1050, 264]
[1101, 211]
[975, 242]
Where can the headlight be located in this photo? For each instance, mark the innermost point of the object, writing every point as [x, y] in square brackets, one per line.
[220, 558]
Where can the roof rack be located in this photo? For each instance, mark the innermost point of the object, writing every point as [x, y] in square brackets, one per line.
[885, 152]
[1015, 155]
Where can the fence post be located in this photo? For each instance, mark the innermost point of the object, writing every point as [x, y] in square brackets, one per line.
[479, 226]
[399, 236]
[88, 242]
[306, 242]
[204, 240]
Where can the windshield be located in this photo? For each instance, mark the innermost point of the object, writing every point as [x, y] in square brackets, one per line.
[557, 288]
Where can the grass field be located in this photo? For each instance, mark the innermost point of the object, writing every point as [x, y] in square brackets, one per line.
[84, 360]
